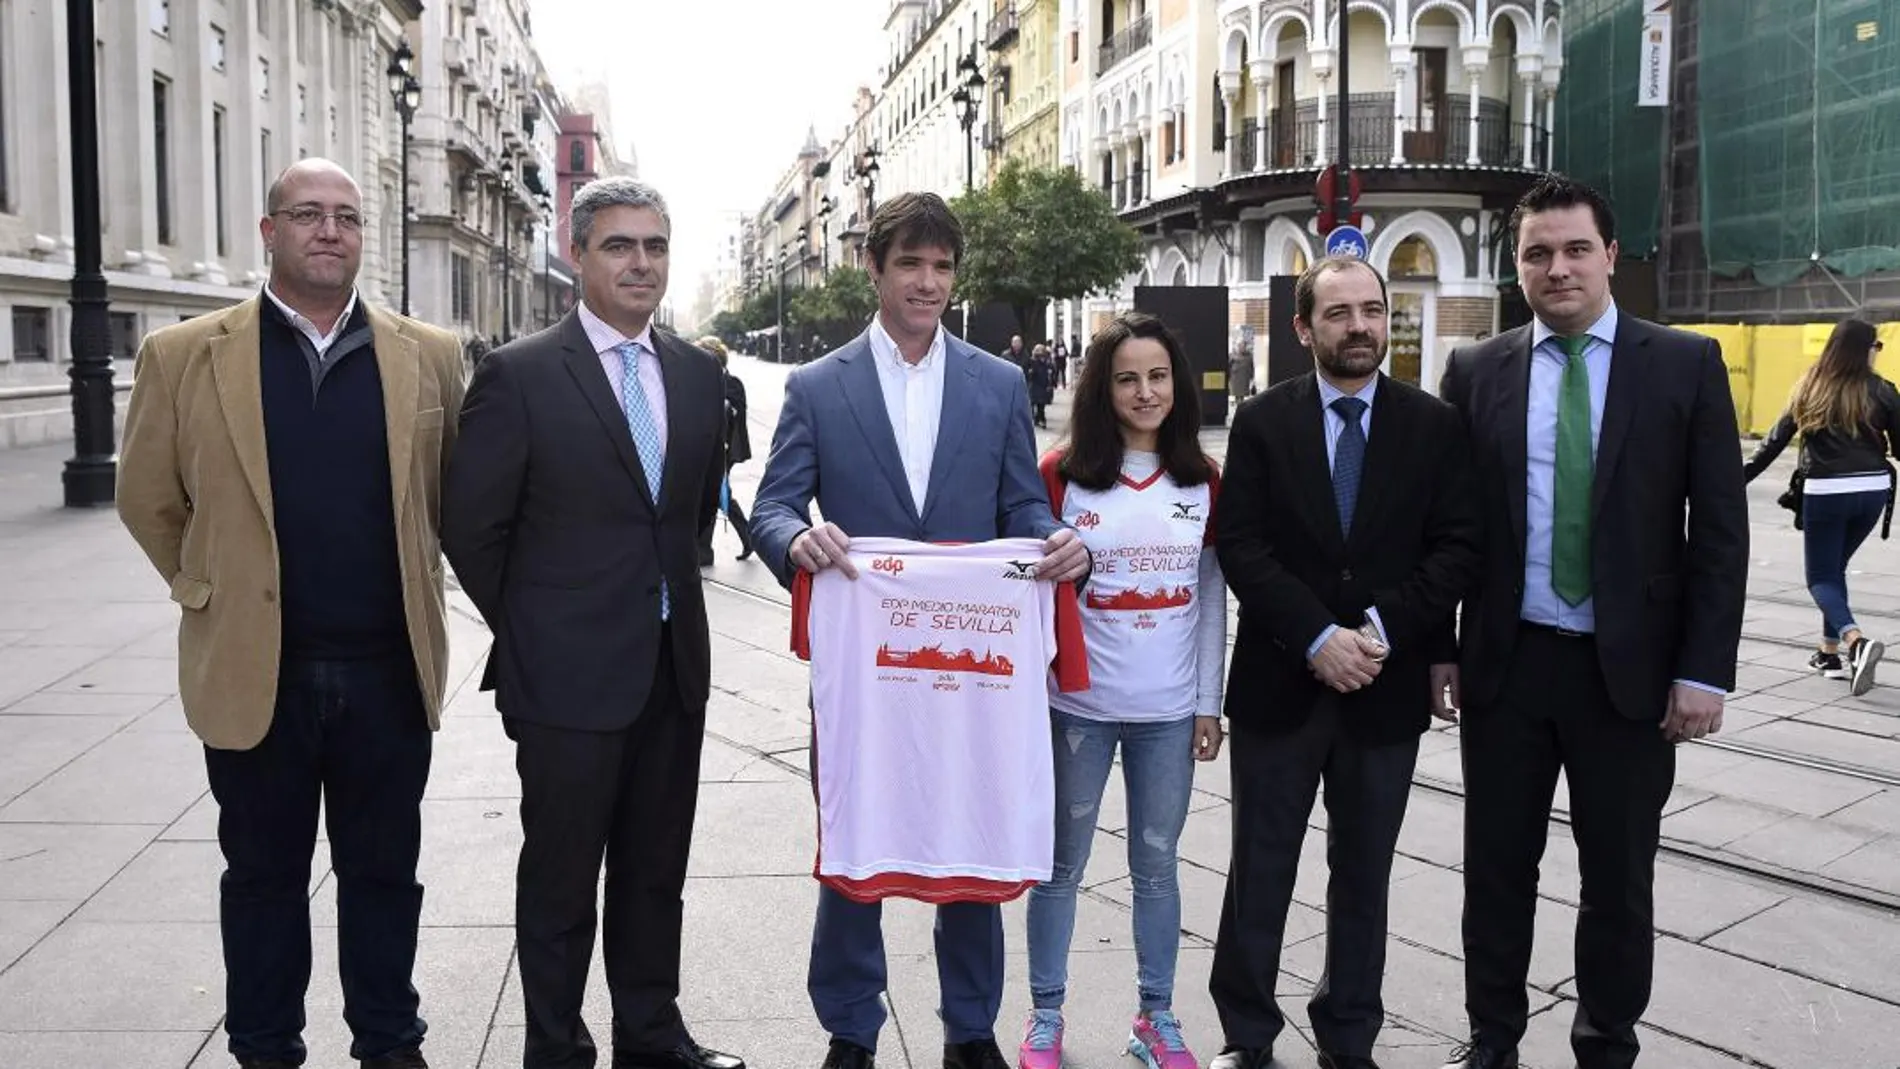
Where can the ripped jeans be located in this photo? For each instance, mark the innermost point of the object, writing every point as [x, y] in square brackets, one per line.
[1158, 771]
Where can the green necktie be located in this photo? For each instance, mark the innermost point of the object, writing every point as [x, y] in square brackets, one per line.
[1570, 527]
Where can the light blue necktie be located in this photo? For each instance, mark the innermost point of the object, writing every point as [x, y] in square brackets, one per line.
[646, 436]
[1349, 459]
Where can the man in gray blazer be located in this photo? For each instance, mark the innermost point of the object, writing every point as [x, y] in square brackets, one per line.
[906, 432]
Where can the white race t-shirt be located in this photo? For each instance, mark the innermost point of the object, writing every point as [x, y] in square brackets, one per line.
[930, 703]
[1141, 609]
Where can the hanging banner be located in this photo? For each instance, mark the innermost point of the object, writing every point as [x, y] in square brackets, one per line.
[1652, 87]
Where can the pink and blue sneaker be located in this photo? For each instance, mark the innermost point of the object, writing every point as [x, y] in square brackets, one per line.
[1042, 1041]
[1155, 1038]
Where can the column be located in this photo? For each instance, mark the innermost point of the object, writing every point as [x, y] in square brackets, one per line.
[1529, 66]
[1403, 88]
[1476, 76]
[1230, 96]
[1150, 155]
[1320, 152]
[1262, 70]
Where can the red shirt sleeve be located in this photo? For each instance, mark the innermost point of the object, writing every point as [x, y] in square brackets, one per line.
[801, 615]
[1072, 654]
[1052, 480]
[1213, 500]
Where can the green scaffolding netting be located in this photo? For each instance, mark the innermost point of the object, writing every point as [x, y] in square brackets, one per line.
[1603, 138]
[1799, 120]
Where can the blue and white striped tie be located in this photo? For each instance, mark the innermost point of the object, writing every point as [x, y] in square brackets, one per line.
[646, 436]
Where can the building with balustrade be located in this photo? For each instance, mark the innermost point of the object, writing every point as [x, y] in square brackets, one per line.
[921, 143]
[1208, 121]
[1025, 85]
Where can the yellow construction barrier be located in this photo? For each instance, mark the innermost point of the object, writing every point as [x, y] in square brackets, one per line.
[1764, 362]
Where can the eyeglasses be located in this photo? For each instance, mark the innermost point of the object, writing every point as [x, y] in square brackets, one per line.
[312, 218]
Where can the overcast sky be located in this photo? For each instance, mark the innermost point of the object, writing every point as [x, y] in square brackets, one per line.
[714, 96]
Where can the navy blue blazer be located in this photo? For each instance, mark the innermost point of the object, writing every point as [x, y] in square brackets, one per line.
[835, 445]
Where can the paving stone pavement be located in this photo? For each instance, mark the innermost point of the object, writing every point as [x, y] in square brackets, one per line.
[109, 950]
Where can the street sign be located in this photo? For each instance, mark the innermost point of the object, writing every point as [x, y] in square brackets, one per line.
[1326, 188]
[1347, 241]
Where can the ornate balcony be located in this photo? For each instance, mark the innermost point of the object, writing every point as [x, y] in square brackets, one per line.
[1134, 37]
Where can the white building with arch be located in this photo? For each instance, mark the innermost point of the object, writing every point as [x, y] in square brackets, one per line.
[1207, 122]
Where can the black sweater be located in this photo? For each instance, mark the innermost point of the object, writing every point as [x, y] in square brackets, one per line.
[340, 573]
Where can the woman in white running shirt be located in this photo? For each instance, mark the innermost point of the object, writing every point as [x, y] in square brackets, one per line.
[1133, 481]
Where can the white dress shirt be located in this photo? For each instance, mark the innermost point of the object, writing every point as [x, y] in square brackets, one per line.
[606, 342]
[318, 338]
[913, 397]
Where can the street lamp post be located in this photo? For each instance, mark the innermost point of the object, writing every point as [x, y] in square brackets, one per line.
[507, 250]
[547, 261]
[825, 208]
[407, 93]
[866, 170]
[779, 288]
[968, 97]
[92, 471]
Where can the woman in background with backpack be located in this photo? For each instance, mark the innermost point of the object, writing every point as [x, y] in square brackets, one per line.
[738, 451]
[1848, 420]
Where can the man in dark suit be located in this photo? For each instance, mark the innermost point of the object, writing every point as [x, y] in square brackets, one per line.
[593, 458]
[1347, 528]
[1604, 626]
[951, 458]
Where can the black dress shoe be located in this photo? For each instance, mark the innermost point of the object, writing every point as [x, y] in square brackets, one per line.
[688, 1055]
[1242, 1058]
[976, 1054]
[1345, 1061]
[1480, 1055]
[408, 1059]
[847, 1055]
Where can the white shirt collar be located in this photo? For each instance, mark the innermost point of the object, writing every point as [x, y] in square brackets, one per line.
[304, 326]
[884, 347]
[1603, 330]
[605, 337]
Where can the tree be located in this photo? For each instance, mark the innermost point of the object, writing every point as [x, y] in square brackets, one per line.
[1035, 235]
[836, 309]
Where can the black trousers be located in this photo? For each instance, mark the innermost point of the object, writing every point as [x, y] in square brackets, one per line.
[1554, 713]
[353, 736]
[627, 797]
[735, 514]
[1275, 778]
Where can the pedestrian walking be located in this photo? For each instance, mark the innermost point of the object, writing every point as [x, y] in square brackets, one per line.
[1848, 420]
[590, 460]
[1059, 352]
[1348, 528]
[1240, 375]
[1041, 371]
[738, 451]
[1132, 480]
[282, 469]
[1604, 625]
[906, 432]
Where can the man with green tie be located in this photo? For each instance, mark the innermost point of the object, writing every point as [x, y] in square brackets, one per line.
[1604, 627]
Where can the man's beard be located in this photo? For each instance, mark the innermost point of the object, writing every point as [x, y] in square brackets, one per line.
[1350, 365]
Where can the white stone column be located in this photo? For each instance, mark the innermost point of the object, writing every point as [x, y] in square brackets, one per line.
[1529, 66]
[1322, 126]
[1477, 60]
[1150, 155]
[1262, 70]
[1229, 95]
[1404, 88]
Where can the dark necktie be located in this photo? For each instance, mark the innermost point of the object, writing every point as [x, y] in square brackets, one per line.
[1349, 459]
[1575, 470]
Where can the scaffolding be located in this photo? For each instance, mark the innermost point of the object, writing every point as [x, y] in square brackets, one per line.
[1603, 138]
[1799, 123]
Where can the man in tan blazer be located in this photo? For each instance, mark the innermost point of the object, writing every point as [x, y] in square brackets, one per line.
[282, 469]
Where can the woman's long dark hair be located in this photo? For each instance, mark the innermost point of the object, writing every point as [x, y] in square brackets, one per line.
[1837, 392]
[1092, 456]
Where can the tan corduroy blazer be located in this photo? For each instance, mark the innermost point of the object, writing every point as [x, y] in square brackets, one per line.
[194, 490]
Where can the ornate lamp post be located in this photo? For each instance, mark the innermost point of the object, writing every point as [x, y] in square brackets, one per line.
[866, 172]
[547, 259]
[825, 208]
[968, 97]
[407, 93]
[92, 472]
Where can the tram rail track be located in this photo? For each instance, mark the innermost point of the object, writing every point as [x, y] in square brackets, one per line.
[1681, 851]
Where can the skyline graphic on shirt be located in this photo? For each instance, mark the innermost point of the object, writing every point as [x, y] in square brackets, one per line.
[935, 659]
[1137, 600]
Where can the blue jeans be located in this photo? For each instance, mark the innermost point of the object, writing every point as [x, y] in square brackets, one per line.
[1158, 768]
[352, 737]
[1834, 526]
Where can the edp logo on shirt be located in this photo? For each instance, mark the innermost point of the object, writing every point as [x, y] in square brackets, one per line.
[893, 565]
